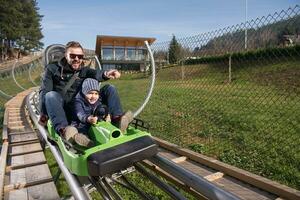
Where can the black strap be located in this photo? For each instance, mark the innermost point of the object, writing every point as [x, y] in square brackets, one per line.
[70, 83]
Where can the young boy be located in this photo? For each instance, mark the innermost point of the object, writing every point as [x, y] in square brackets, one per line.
[87, 101]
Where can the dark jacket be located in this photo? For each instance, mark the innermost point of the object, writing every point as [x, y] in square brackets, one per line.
[57, 76]
[83, 109]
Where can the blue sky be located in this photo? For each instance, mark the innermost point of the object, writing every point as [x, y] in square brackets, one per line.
[66, 20]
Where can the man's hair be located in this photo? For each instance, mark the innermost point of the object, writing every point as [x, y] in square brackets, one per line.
[73, 44]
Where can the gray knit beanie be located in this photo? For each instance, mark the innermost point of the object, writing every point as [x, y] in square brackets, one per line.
[90, 84]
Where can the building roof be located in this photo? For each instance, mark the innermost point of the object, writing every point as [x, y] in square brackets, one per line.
[108, 40]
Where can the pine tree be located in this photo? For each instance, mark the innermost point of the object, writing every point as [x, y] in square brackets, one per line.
[32, 34]
[20, 25]
[10, 24]
[174, 51]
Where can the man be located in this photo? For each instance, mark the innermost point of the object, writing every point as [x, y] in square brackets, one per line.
[61, 82]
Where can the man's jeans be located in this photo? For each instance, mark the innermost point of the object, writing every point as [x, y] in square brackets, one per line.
[110, 98]
[54, 104]
[57, 110]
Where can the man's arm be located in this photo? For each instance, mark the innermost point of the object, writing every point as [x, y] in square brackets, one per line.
[102, 75]
[112, 74]
[46, 86]
[47, 82]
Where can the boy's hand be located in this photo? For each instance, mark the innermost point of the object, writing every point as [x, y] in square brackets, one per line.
[92, 120]
[107, 118]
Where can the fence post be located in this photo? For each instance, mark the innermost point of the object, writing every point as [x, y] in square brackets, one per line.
[182, 70]
[229, 69]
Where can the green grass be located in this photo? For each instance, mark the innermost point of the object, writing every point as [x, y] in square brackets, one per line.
[9, 87]
[252, 122]
[61, 185]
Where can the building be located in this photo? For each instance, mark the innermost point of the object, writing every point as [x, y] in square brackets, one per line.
[290, 40]
[122, 53]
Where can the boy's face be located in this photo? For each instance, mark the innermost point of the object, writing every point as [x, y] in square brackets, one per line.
[92, 96]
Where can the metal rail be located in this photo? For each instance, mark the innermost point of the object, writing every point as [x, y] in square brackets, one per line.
[162, 185]
[198, 183]
[77, 191]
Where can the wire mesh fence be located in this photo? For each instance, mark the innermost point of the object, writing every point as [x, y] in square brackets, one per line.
[18, 78]
[234, 94]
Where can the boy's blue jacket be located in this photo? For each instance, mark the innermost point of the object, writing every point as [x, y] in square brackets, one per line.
[82, 110]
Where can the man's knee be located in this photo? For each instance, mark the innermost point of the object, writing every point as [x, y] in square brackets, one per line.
[52, 95]
[53, 98]
[108, 90]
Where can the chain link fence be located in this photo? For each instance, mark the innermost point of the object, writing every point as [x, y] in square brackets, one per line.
[233, 94]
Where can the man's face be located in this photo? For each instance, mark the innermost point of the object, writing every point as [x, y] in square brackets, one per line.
[74, 57]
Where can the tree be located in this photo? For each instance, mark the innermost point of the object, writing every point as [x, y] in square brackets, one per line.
[174, 51]
[20, 25]
[30, 39]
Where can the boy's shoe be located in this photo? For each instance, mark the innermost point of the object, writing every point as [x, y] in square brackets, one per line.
[125, 120]
[43, 120]
[69, 132]
[71, 135]
[83, 140]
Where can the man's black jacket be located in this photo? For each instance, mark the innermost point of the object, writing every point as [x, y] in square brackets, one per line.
[58, 74]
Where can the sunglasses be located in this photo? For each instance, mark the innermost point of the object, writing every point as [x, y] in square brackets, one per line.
[73, 56]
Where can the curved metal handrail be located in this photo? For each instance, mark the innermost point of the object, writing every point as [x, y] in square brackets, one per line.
[4, 95]
[149, 93]
[98, 62]
[13, 75]
[29, 73]
[49, 49]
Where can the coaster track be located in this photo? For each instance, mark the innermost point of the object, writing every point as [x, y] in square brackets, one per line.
[200, 176]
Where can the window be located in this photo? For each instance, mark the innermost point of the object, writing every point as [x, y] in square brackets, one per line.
[131, 54]
[107, 54]
[108, 66]
[140, 54]
[120, 54]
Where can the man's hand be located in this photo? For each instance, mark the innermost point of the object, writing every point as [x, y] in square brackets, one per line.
[113, 74]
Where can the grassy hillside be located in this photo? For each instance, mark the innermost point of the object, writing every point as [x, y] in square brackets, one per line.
[9, 87]
[252, 122]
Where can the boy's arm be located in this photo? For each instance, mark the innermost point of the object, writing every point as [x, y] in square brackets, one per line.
[80, 112]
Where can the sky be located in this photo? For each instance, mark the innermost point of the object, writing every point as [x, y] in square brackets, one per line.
[66, 20]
